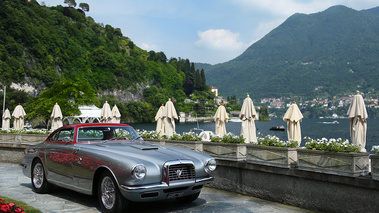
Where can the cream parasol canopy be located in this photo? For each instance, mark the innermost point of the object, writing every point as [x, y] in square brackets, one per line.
[19, 115]
[293, 118]
[160, 121]
[357, 115]
[6, 119]
[169, 114]
[116, 115]
[106, 113]
[56, 117]
[248, 115]
[220, 118]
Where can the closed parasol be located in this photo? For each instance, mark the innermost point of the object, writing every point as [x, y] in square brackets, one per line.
[6, 119]
[116, 115]
[18, 115]
[169, 114]
[56, 117]
[248, 115]
[293, 118]
[357, 115]
[220, 118]
[160, 121]
[106, 113]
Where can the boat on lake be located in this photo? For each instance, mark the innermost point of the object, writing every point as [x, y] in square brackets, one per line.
[278, 128]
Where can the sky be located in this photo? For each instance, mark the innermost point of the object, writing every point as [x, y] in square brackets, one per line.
[204, 31]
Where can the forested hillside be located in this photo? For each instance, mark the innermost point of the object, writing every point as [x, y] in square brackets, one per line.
[333, 52]
[43, 46]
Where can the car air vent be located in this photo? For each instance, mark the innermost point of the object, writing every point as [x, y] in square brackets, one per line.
[144, 148]
[150, 148]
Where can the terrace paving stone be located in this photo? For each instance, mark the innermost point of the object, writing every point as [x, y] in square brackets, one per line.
[15, 185]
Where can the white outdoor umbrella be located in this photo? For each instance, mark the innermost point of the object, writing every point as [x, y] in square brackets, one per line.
[160, 121]
[293, 118]
[220, 118]
[169, 114]
[6, 119]
[19, 115]
[248, 115]
[106, 113]
[357, 115]
[116, 115]
[56, 117]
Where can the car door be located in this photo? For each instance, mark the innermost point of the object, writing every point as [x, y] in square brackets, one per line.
[59, 156]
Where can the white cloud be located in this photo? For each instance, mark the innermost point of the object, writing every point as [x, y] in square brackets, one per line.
[149, 47]
[219, 39]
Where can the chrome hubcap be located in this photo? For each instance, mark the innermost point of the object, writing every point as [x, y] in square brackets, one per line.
[38, 175]
[108, 192]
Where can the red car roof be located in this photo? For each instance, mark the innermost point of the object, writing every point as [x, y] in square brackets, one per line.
[95, 124]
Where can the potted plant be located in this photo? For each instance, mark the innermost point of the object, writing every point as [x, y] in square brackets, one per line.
[333, 156]
[271, 151]
[375, 163]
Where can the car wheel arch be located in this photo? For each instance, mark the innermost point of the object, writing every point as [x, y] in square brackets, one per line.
[96, 178]
[43, 164]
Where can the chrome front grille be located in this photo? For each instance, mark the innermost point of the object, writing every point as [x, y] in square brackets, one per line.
[178, 171]
[181, 172]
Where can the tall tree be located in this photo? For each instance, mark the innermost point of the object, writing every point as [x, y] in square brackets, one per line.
[68, 94]
[71, 3]
[84, 6]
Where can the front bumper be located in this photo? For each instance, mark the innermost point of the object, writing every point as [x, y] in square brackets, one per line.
[164, 191]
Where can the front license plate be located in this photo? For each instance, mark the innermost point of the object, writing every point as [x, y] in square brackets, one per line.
[175, 195]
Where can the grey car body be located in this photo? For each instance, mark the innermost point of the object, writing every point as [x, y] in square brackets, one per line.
[77, 157]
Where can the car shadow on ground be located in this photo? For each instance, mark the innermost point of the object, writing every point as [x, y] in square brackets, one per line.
[92, 201]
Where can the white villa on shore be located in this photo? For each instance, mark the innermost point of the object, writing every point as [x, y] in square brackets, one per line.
[89, 114]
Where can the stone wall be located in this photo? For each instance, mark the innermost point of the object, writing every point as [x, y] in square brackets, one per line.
[309, 190]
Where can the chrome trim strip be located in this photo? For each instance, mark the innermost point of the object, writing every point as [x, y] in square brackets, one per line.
[202, 180]
[152, 186]
[163, 185]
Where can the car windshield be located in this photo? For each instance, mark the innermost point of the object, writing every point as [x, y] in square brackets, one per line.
[107, 133]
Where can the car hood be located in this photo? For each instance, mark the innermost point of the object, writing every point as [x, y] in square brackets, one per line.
[142, 151]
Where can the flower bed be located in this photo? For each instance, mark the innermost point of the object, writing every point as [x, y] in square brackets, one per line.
[338, 163]
[10, 207]
[333, 145]
[333, 156]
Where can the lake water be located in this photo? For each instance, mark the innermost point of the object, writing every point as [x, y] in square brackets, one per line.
[312, 127]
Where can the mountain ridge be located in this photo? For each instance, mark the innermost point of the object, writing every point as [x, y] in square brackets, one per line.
[327, 53]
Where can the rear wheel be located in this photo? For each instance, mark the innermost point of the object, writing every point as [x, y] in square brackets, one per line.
[39, 182]
[110, 197]
[188, 199]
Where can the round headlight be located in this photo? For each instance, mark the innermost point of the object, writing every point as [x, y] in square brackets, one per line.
[138, 171]
[211, 165]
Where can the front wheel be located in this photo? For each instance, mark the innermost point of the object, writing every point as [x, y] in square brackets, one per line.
[110, 197]
[39, 182]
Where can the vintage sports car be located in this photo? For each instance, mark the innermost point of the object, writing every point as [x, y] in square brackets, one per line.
[113, 162]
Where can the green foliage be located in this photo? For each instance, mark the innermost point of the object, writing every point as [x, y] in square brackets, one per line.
[68, 94]
[335, 51]
[263, 114]
[42, 45]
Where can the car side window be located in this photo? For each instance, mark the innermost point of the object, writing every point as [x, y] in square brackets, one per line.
[65, 135]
